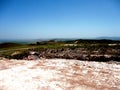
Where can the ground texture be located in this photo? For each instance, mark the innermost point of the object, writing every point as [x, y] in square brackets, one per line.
[58, 74]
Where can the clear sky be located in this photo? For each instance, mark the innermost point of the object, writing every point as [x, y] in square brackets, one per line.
[35, 19]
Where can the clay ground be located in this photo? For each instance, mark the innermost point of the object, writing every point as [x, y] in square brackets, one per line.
[58, 74]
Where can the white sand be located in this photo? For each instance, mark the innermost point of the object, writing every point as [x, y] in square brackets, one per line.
[58, 74]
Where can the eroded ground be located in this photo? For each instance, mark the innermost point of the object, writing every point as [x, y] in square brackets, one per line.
[58, 74]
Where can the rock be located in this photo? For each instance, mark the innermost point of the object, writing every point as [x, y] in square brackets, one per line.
[32, 57]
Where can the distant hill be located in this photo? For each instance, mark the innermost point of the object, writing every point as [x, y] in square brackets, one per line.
[28, 41]
[18, 41]
[25, 41]
[109, 38]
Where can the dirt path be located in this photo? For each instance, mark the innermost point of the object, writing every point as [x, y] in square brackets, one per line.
[58, 74]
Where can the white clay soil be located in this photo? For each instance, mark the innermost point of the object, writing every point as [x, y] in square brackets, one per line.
[58, 74]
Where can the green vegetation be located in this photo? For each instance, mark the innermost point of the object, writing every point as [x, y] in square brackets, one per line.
[77, 48]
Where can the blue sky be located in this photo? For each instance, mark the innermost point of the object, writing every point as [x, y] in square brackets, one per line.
[35, 19]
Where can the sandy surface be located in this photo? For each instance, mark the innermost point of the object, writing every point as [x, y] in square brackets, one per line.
[58, 74]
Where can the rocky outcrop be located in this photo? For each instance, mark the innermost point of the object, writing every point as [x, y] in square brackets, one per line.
[68, 53]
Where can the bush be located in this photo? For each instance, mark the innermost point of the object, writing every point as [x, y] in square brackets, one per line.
[20, 55]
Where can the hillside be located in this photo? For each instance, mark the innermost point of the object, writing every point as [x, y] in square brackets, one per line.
[80, 49]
